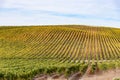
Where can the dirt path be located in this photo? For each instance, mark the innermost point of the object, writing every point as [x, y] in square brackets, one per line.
[108, 75]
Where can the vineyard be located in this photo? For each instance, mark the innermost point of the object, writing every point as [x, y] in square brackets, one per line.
[28, 51]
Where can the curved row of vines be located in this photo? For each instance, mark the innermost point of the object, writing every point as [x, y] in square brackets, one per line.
[27, 51]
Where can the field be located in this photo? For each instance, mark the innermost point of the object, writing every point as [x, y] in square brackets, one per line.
[28, 51]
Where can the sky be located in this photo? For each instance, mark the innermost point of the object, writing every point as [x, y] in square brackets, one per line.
[59, 12]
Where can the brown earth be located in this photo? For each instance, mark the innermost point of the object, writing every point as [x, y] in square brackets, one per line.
[107, 75]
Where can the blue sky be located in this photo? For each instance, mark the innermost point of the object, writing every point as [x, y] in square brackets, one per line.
[45, 12]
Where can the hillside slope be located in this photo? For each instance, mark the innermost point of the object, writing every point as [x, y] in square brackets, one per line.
[28, 51]
[68, 43]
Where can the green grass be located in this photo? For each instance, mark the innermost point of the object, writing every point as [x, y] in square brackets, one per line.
[117, 79]
[28, 51]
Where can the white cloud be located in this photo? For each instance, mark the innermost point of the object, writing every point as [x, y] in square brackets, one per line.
[1, 3]
[51, 19]
[64, 6]
[100, 9]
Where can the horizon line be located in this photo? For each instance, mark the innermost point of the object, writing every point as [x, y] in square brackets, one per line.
[59, 25]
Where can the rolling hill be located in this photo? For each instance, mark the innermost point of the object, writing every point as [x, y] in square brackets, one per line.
[27, 51]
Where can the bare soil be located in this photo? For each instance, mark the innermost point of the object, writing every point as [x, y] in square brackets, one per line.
[107, 75]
